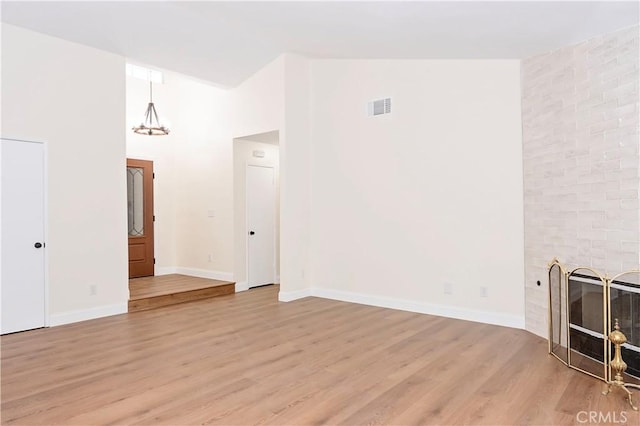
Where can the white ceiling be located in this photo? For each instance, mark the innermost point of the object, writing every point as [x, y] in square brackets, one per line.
[226, 42]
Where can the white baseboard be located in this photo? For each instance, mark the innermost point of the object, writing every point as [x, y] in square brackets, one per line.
[485, 317]
[242, 286]
[277, 281]
[204, 273]
[288, 296]
[166, 270]
[87, 314]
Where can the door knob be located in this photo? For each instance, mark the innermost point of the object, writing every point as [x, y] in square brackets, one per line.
[251, 233]
[37, 245]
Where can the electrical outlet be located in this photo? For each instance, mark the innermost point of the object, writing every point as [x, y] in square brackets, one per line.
[484, 292]
[448, 288]
[93, 290]
[210, 258]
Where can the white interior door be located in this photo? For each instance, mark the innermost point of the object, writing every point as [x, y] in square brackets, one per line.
[22, 285]
[261, 203]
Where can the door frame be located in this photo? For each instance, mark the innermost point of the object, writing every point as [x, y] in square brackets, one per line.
[246, 217]
[45, 219]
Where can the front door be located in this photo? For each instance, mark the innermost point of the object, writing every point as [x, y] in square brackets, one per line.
[22, 186]
[140, 217]
[261, 225]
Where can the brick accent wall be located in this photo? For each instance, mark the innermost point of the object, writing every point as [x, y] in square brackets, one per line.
[580, 118]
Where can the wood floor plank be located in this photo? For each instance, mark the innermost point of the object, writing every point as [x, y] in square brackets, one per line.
[248, 359]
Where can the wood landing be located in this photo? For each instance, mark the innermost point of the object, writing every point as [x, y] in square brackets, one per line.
[164, 290]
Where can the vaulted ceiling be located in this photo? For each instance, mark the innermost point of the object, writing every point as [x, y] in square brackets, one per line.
[226, 42]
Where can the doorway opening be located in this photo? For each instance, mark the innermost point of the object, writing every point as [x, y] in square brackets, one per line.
[257, 210]
[140, 218]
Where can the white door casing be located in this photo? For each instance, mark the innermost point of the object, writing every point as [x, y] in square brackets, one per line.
[261, 260]
[22, 285]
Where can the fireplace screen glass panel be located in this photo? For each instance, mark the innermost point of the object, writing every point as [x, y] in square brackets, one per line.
[586, 322]
[558, 301]
[625, 307]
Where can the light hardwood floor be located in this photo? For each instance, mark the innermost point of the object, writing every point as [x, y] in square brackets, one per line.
[247, 359]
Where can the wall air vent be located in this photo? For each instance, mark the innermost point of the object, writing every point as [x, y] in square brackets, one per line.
[380, 107]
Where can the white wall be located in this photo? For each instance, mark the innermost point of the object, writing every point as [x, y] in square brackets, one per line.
[257, 105]
[73, 98]
[278, 98]
[383, 210]
[204, 178]
[295, 178]
[581, 161]
[194, 174]
[257, 110]
[428, 195]
[243, 156]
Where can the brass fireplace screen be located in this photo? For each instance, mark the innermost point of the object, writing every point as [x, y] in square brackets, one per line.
[582, 307]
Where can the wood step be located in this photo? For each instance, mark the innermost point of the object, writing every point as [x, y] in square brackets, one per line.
[165, 290]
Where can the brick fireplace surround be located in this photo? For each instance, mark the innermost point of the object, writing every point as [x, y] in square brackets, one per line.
[580, 118]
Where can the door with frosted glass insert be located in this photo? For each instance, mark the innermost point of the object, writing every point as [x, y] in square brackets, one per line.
[140, 217]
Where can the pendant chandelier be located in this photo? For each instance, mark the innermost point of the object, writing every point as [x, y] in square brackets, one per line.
[151, 125]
